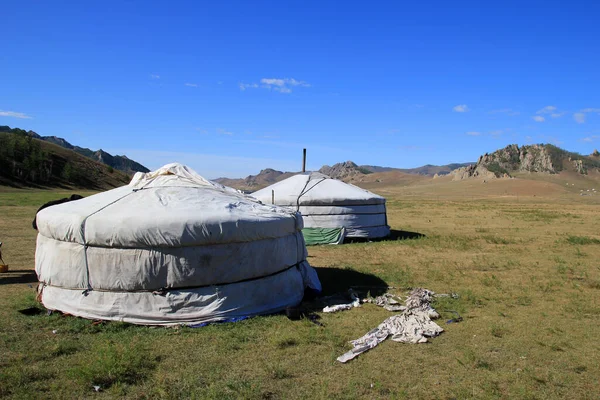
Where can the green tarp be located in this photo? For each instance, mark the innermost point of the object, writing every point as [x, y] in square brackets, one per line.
[323, 235]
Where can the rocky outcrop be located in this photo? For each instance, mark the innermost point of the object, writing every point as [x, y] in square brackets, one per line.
[511, 159]
[342, 171]
[535, 158]
[472, 171]
[580, 167]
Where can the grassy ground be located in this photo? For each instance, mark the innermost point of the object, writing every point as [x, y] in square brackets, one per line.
[527, 273]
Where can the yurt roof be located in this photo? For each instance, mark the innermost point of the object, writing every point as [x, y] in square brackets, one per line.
[314, 188]
[170, 207]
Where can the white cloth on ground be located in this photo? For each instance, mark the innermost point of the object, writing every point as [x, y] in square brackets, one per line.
[414, 325]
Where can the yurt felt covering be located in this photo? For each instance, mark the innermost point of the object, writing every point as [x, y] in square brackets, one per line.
[327, 205]
[171, 248]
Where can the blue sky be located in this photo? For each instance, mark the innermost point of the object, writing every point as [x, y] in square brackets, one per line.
[230, 88]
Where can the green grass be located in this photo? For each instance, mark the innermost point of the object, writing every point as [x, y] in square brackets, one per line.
[526, 290]
[582, 240]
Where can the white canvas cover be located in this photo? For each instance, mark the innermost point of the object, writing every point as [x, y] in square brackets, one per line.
[325, 202]
[170, 248]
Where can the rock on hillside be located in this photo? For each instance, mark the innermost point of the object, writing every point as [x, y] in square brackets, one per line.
[538, 158]
[343, 171]
[472, 171]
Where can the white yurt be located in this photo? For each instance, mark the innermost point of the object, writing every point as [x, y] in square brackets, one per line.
[331, 209]
[171, 248]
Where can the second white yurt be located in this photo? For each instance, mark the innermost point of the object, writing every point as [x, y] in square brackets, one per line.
[171, 248]
[330, 208]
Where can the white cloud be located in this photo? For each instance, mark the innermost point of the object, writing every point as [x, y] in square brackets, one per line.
[461, 108]
[202, 131]
[590, 139]
[273, 82]
[244, 86]
[154, 76]
[14, 114]
[497, 132]
[538, 118]
[191, 84]
[281, 85]
[580, 116]
[293, 82]
[222, 131]
[547, 110]
[552, 111]
[473, 133]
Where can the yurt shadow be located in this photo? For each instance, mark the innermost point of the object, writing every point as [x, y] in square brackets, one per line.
[336, 280]
[394, 235]
[18, 276]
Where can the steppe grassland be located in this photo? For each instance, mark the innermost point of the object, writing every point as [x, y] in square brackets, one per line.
[526, 270]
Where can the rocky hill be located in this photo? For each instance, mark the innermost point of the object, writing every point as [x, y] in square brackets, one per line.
[121, 163]
[538, 158]
[344, 170]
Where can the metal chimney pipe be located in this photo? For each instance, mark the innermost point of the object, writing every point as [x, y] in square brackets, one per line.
[303, 160]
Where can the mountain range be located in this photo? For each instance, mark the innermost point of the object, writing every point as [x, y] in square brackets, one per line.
[347, 171]
[503, 163]
[30, 160]
[121, 163]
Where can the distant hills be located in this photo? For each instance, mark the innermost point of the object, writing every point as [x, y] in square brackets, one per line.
[427, 170]
[263, 179]
[28, 159]
[347, 171]
[504, 163]
[122, 163]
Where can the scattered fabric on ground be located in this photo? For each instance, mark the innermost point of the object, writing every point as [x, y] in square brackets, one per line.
[345, 306]
[387, 301]
[414, 325]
